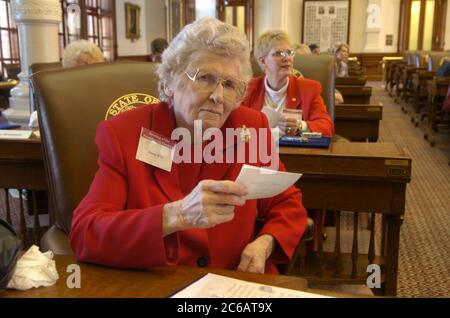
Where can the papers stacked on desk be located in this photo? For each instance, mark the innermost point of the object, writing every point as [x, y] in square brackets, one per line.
[15, 134]
[217, 286]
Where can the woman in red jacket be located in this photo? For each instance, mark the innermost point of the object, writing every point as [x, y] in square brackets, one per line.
[144, 210]
[279, 89]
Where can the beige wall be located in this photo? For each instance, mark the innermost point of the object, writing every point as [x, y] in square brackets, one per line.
[269, 14]
[358, 26]
[126, 47]
[155, 13]
[153, 25]
[447, 29]
[288, 14]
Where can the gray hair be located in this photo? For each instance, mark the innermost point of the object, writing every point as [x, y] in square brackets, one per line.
[206, 34]
[76, 52]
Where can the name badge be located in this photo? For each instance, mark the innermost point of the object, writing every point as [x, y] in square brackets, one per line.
[155, 150]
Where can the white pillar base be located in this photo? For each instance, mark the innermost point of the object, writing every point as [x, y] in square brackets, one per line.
[19, 111]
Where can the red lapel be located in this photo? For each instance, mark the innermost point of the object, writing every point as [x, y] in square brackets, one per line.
[163, 122]
[293, 99]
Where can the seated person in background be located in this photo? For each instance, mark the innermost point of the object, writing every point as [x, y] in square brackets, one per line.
[341, 56]
[157, 48]
[315, 49]
[444, 67]
[77, 53]
[279, 89]
[196, 214]
[302, 49]
[81, 52]
[446, 105]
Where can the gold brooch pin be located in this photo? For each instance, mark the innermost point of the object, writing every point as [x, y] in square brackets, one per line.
[245, 134]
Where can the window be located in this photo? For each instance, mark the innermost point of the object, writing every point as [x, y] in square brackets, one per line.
[240, 14]
[9, 40]
[422, 25]
[96, 24]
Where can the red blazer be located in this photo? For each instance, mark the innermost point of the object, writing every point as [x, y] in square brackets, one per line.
[119, 221]
[301, 94]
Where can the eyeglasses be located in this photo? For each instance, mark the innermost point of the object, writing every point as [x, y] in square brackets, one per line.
[284, 53]
[233, 88]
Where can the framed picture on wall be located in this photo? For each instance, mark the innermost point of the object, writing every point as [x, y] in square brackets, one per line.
[175, 17]
[326, 23]
[132, 21]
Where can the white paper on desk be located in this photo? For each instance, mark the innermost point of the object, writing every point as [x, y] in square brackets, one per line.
[217, 286]
[265, 183]
[15, 134]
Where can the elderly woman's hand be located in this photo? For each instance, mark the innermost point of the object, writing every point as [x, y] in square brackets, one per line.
[289, 126]
[209, 204]
[255, 254]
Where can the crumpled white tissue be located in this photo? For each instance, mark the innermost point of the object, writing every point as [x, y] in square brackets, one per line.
[34, 269]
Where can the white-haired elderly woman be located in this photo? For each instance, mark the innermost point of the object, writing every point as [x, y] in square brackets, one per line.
[81, 52]
[280, 89]
[153, 211]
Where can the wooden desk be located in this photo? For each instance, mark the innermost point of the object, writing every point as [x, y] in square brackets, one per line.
[5, 88]
[351, 81]
[22, 167]
[355, 94]
[358, 122]
[359, 177]
[98, 281]
[348, 176]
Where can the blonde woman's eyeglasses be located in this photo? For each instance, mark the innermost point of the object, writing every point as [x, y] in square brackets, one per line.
[283, 53]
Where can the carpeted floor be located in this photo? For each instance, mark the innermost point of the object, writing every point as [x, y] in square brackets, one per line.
[424, 264]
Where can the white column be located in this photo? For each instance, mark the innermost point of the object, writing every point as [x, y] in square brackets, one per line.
[373, 26]
[38, 24]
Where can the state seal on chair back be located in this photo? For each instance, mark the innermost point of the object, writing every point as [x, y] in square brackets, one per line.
[71, 104]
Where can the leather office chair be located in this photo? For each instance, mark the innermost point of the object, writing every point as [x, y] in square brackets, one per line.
[71, 104]
[34, 69]
[319, 68]
[435, 60]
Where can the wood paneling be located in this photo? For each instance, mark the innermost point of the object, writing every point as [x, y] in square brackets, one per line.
[371, 64]
[137, 58]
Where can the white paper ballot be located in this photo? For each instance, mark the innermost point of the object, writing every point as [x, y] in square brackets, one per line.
[265, 183]
[217, 286]
[272, 116]
[15, 134]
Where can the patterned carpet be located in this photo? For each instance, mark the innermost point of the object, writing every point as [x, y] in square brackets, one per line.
[424, 264]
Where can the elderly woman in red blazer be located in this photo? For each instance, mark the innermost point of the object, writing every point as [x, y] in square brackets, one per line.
[139, 214]
[279, 89]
